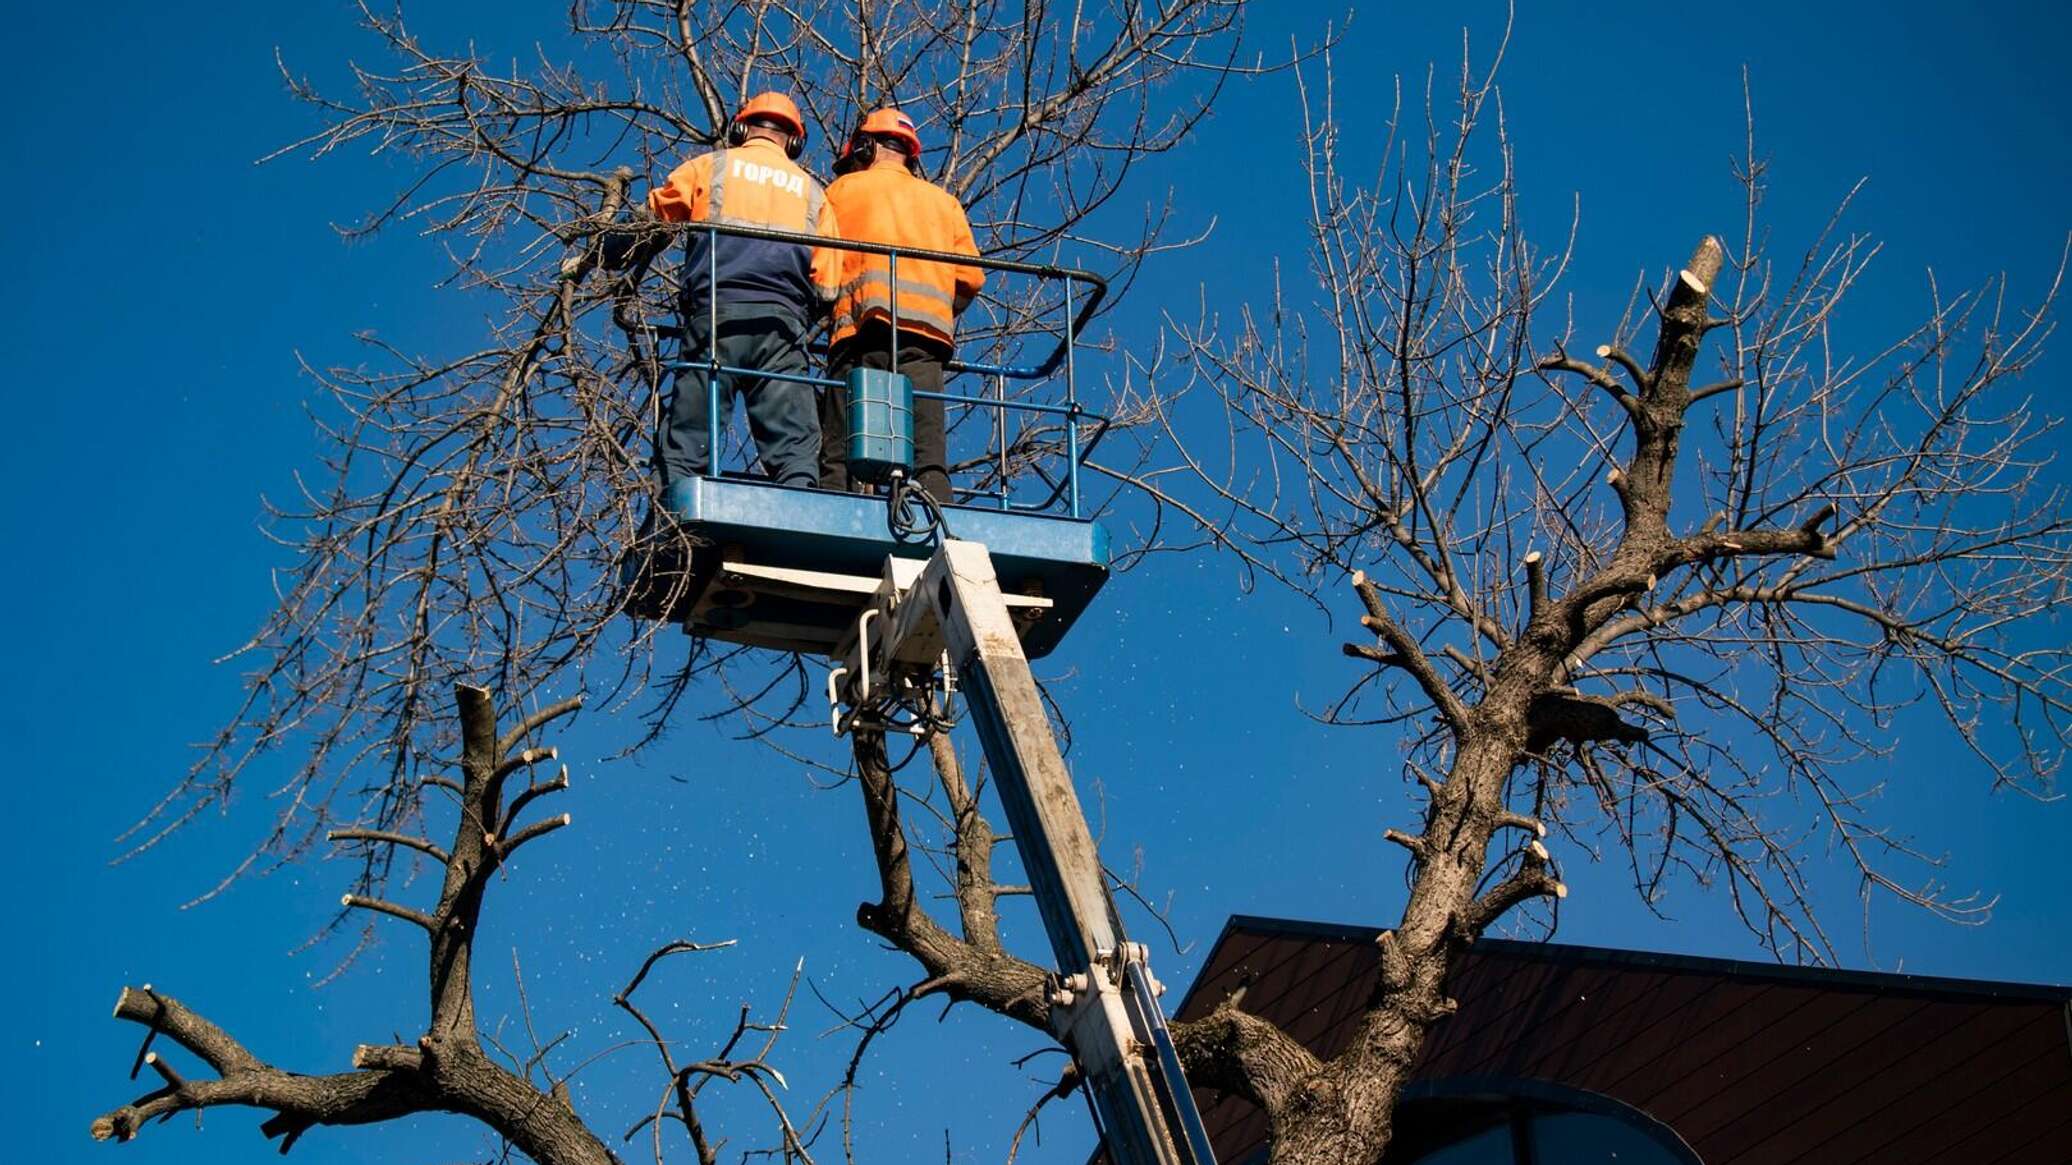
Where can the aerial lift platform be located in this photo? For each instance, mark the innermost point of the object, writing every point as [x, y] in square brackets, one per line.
[912, 613]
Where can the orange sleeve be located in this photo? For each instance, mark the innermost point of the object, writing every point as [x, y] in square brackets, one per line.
[682, 197]
[969, 279]
[827, 262]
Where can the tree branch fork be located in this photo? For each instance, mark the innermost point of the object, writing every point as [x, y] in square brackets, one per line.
[448, 1068]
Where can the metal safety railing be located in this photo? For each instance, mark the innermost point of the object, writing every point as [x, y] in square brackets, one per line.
[1077, 312]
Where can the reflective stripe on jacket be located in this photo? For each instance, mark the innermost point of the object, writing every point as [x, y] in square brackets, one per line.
[886, 204]
[752, 185]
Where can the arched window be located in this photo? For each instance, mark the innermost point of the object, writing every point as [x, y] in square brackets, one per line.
[1526, 1122]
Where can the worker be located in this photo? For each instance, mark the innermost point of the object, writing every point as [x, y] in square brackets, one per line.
[881, 197]
[768, 294]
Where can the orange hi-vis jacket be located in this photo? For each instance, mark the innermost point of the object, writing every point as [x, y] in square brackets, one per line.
[886, 204]
[751, 185]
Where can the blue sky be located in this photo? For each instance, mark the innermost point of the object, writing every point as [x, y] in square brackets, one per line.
[165, 286]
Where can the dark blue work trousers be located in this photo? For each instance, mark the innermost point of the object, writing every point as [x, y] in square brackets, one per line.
[783, 416]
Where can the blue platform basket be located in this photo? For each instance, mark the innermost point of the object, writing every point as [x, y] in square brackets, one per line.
[760, 570]
[881, 424]
[744, 560]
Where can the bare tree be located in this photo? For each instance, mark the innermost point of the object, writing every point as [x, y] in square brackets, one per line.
[454, 1066]
[468, 518]
[471, 508]
[1855, 535]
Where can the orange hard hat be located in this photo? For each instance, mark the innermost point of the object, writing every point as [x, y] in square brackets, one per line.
[776, 107]
[892, 123]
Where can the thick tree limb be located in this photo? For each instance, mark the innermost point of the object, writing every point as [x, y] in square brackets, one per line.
[1406, 654]
[421, 844]
[1531, 880]
[1246, 1056]
[417, 918]
[1598, 376]
[961, 970]
[446, 1071]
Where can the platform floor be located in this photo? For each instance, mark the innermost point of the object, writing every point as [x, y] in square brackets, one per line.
[765, 563]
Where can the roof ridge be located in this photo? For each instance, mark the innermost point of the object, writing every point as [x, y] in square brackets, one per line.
[1884, 982]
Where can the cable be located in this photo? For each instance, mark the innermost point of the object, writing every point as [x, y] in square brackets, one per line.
[912, 514]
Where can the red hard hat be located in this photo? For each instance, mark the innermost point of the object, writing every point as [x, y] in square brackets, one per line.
[776, 107]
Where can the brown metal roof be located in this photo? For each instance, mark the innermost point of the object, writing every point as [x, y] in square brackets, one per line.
[1751, 1064]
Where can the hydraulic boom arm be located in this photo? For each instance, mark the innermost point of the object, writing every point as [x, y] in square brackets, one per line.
[948, 618]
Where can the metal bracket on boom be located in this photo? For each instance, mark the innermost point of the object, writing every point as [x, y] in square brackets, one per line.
[903, 690]
[928, 627]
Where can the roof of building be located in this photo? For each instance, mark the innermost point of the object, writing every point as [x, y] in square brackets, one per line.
[1747, 1062]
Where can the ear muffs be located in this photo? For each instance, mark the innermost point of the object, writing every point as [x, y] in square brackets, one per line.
[862, 151]
[794, 144]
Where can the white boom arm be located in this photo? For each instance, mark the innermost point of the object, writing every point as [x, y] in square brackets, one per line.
[948, 618]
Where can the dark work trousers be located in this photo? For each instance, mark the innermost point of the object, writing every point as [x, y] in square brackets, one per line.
[782, 416]
[920, 360]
